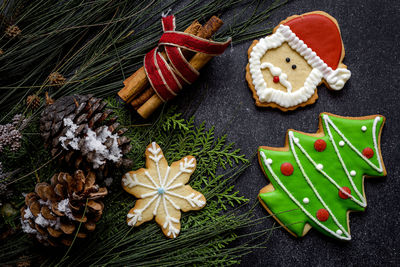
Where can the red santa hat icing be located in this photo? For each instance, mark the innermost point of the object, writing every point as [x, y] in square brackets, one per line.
[317, 38]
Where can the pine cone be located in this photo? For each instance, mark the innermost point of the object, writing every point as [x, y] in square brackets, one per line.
[33, 102]
[12, 31]
[56, 78]
[80, 128]
[10, 135]
[53, 212]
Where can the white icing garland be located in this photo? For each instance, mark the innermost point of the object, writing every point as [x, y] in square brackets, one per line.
[374, 139]
[347, 237]
[162, 191]
[331, 180]
[335, 78]
[311, 184]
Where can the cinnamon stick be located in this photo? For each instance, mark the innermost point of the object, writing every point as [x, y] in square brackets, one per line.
[198, 61]
[206, 31]
[150, 106]
[138, 81]
[137, 102]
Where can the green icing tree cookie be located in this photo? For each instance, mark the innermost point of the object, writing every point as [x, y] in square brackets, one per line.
[317, 179]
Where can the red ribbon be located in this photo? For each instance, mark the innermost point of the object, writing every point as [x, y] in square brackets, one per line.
[168, 78]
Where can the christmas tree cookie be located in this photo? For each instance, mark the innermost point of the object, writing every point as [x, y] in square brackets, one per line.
[286, 67]
[317, 179]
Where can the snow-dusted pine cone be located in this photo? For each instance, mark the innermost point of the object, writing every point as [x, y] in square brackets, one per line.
[54, 211]
[33, 102]
[80, 128]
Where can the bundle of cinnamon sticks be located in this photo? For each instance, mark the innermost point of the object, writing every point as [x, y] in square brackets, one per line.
[138, 92]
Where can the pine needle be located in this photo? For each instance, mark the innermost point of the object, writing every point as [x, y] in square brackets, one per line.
[94, 44]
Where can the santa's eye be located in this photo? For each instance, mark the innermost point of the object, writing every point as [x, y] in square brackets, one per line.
[294, 66]
[288, 59]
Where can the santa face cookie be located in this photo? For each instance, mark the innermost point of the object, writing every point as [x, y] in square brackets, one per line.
[286, 67]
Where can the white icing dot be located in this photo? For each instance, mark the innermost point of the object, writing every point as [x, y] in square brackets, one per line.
[363, 128]
[296, 140]
[353, 173]
[341, 143]
[320, 166]
[306, 200]
[339, 232]
[269, 161]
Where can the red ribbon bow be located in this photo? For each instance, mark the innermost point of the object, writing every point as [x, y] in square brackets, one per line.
[167, 79]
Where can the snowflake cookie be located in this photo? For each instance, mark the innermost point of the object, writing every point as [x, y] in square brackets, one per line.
[162, 191]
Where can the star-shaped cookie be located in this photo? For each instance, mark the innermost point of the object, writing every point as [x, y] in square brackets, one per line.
[162, 191]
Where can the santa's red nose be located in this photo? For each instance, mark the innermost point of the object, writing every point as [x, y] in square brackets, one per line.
[276, 79]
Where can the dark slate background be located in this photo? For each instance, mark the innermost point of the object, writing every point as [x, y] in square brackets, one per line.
[370, 32]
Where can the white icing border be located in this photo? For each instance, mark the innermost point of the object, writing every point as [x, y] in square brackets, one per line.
[335, 78]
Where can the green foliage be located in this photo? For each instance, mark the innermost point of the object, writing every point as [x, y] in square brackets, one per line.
[96, 45]
[174, 122]
[205, 236]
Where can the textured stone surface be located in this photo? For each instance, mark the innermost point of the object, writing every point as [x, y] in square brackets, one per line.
[371, 35]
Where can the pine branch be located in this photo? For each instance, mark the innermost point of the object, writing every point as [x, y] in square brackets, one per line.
[93, 44]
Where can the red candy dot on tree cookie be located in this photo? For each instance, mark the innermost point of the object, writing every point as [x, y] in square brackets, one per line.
[320, 145]
[276, 79]
[368, 152]
[322, 215]
[287, 169]
[343, 195]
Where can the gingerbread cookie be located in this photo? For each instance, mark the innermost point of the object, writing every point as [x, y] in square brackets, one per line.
[317, 179]
[162, 191]
[286, 67]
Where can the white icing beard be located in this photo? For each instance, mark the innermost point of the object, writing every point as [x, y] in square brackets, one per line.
[276, 71]
[335, 78]
[289, 99]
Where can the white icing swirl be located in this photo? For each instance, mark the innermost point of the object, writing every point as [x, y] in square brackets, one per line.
[335, 78]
